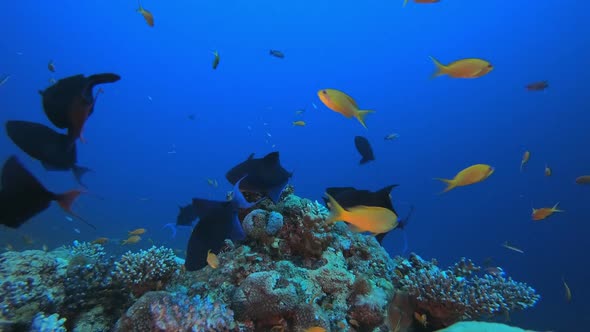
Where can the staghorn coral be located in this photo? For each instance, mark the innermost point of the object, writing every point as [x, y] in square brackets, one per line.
[448, 297]
[163, 311]
[146, 270]
[51, 323]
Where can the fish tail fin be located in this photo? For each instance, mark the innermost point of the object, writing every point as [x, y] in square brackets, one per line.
[451, 184]
[440, 68]
[78, 172]
[555, 209]
[360, 115]
[66, 200]
[336, 210]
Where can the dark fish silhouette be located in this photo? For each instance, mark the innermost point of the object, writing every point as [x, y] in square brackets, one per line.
[364, 148]
[277, 54]
[54, 150]
[218, 220]
[70, 101]
[349, 197]
[23, 196]
[264, 175]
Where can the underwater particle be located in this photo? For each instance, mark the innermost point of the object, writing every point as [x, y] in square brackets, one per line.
[342, 103]
[147, 15]
[374, 219]
[70, 101]
[212, 182]
[364, 148]
[138, 231]
[18, 206]
[543, 213]
[537, 86]
[300, 111]
[470, 175]
[277, 54]
[463, 68]
[525, 159]
[51, 66]
[299, 123]
[131, 240]
[215, 59]
[584, 179]
[55, 151]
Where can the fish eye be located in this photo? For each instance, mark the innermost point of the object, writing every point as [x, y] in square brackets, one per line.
[324, 92]
[490, 65]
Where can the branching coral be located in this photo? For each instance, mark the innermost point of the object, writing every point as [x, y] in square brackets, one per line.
[456, 294]
[146, 270]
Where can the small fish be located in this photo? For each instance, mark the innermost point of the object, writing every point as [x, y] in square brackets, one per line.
[391, 137]
[548, 171]
[213, 183]
[364, 148]
[299, 123]
[212, 260]
[495, 271]
[9, 247]
[268, 134]
[537, 86]
[51, 66]
[68, 218]
[299, 112]
[138, 231]
[315, 329]
[45, 248]
[542, 213]
[525, 159]
[508, 246]
[468, 176]
[584, 179]
[77, 230]
[315, 107]
[464, 68]
[147, 15]
[422, 319]
[100, 240]
[421, 1]
[277, 54]
[215, 59]
[4, 79]
[342, 103]
[568, 292]
[131, 240]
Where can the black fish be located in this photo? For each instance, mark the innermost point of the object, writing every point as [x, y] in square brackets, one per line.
[364, 148]
[55, 151]
[277, 54]
[262, 175]
[70, 101]
[218, 220]
[23, 196]
[349, 197]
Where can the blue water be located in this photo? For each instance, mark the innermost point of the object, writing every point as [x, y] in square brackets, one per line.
[375, 51]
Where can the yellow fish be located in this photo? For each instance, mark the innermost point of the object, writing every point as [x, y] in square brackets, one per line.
[464, 68]
[131, 240]
[100, 240]
[542, 213]
[525, 159]
[584, 179]
[374, 219]
[470, 175]
[138, 231]
[315, 329]
[212, 260]
[342, 103]
[299, 123]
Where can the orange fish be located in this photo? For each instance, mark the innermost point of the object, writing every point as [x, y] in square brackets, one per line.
[342, 103]
[212, 260]
[421, 1]
[585, 179]
[464, 68]
[149, 18]
[315, 329]
[537, 86]
[548, 171]
[470, 175]
[138, 231]
[542, 213]
[374, 219]
[51, 66]
[100, 240]
[525, 159]
[132, 239]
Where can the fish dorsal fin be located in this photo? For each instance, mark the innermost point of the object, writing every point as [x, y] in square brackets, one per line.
[272, 158]
[251, 156]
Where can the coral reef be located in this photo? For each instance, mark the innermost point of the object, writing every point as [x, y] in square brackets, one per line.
[292, 272]
[146, 270]
[447, 296]
[51, 323]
